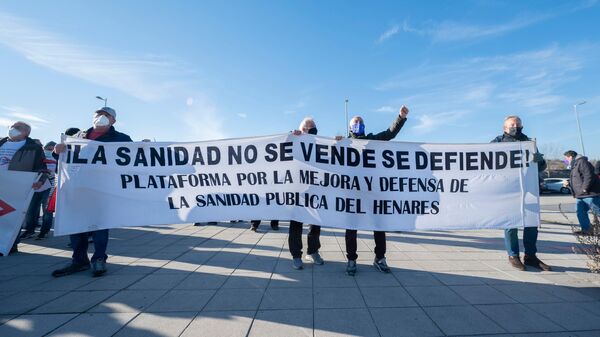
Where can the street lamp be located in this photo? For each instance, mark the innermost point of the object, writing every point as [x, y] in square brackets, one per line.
[346, 111]
[103, 99]
[579, 126]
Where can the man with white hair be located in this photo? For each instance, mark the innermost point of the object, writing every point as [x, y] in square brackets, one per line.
[18, 152]
[307, 126]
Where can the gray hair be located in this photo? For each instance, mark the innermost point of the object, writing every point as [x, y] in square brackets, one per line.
[305, 121]
[513, 117]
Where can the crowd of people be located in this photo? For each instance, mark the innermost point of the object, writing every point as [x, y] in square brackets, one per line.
[19, 152]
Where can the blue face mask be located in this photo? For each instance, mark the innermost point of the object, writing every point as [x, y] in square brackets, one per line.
[357, 129]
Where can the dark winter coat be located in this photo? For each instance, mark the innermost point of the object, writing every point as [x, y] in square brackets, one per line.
[388, 134]
[584, 182]
[518, 138]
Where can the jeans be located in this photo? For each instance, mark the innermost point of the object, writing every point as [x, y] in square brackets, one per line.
[295, 239]
[39, 199]
[79, 243]
[352, 246]
[511, 240]
[584, 205]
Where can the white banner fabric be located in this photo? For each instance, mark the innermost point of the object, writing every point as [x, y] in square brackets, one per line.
[356, 184]
[15, 195]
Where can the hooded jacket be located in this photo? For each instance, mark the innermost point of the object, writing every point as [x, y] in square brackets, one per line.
[584, 182]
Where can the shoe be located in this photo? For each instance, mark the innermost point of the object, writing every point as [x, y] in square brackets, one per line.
[275, 228]
[297, 263]
[197, 223]
[315, 258]
[98, 267]
[70, 269]
[254, 229]
[211, 223]
[40, 236]
[381, 265]
[351, 267]
[27, 235]
[515, 261]
[584, 232]
[533, 261]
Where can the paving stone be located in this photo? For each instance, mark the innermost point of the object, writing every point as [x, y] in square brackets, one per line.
[338, 298]
[482, 294]
[276, 323]
[129, 301]
[417, 278]
[247, 280]
[517, 318]
[197, 281]
[344, 322]
[387, 297]
[292, 280]
[435, 296]
[97, 325]
[160, 281]
[376, 279]
[462, 320]
[163, 324]
[287, 298]
[23, 302]
[220, 323]
[404, 322]
[333, 280]
[182, 300]
[235, 299]
[569, 315]
[33, 325]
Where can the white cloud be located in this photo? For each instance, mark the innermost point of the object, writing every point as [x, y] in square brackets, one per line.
[530, 82]
[386, 108]
[242, 115]
[202, 121]
[147, 78]
[6, 122]
[388, 34]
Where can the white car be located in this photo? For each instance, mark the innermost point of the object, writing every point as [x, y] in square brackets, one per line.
[556, 185]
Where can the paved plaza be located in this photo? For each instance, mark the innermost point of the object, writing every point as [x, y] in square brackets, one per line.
[224, 280]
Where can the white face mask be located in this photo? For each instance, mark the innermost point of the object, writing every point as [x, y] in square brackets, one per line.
[13, 133]
[100, 121]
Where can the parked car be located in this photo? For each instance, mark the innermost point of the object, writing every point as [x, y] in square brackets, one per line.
[559, 185]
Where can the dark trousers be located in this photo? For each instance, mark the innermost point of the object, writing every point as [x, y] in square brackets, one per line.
[511, 241]
[295, 239]
[274, 223]
[79, 243]
[351, 244]
[39, 199]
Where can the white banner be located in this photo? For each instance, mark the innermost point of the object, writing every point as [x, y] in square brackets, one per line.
[350, 183]
[15, 195]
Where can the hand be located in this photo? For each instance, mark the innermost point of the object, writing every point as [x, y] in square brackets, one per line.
[338, 138]
[296, 132]
[538, 157]
[403, 112]
[59, 148]
[36, 186]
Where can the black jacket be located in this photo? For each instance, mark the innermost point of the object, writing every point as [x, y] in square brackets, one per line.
[519, 138]
[29, 158]
[388, 134]
[584, 183]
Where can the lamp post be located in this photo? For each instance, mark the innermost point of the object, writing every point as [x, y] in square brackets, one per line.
[579, 126]
[103, 99]
[346, 114]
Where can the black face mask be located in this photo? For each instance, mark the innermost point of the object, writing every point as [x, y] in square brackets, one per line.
[312, 131]
[515, 131]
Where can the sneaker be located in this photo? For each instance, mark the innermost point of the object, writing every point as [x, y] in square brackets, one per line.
[584, 232]
[98, 267]
[27, 235]
[315, 258]
[381, 265]
[533, 261]
[197, 223]
[351, 267]
[297, 263]
[40, 236]
[515, 261]
[70, 269]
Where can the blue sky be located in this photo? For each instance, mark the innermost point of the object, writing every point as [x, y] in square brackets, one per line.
[190, 70]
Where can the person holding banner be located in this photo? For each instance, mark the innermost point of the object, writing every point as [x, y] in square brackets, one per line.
[18, 152]
[307, 126]
[101, 131]
[513, 132]
[357, 131]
